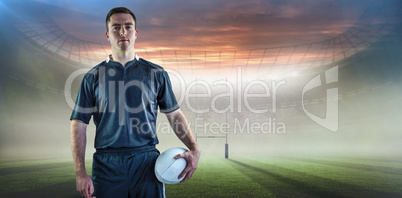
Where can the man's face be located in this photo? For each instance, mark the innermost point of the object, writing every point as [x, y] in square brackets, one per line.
[122, 32]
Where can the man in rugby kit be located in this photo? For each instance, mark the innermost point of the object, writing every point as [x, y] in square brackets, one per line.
[123, 94]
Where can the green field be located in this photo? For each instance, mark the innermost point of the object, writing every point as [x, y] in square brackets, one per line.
[236, 177]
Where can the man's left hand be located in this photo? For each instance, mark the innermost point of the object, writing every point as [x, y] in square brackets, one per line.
[192, 157]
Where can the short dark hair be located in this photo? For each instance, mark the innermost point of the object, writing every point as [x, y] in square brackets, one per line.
[119, 10]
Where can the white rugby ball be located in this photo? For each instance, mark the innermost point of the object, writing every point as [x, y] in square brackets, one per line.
[167, 168]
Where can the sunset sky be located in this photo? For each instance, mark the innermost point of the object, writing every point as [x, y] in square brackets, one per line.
[264, 37]
[213, 25]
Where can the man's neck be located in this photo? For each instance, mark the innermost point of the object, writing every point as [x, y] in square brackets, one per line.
[123, 57]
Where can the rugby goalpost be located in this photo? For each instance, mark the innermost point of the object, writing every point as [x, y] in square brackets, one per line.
[211, 136]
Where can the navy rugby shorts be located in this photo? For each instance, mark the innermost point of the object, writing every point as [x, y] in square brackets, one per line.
[126, 172]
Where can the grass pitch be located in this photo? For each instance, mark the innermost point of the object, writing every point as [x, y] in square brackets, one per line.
[235, 177]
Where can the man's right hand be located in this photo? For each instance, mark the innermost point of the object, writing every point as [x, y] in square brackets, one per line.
[84, 185]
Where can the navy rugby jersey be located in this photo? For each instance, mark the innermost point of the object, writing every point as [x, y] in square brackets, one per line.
[124, 102]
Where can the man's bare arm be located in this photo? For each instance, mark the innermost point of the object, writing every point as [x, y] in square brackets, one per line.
[78, 146]
[183, 132]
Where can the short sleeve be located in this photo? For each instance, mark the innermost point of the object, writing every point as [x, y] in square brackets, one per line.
[166, 98]
[84, 105]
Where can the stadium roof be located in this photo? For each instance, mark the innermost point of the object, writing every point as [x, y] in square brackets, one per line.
[376, 21]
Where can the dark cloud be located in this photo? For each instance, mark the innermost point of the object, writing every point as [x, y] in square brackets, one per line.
[250, 24]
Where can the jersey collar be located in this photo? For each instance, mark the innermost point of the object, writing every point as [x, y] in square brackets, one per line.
[110, 58]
